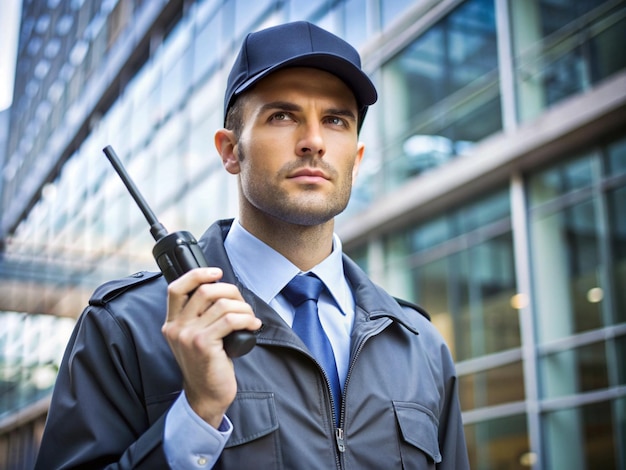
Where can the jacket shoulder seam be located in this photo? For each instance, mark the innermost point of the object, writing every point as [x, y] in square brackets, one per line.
[112, 289]
[412, 306]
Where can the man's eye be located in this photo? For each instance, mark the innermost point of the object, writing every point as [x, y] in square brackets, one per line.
[281, 116]
[336, 121]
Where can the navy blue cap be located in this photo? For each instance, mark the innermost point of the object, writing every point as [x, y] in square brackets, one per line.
[298, 44]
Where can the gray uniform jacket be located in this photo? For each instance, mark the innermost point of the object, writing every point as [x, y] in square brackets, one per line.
[118, 378]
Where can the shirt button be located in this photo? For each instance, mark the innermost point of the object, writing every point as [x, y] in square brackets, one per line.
[202, 461]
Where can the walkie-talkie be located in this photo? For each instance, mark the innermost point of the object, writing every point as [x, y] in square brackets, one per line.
[176, 253]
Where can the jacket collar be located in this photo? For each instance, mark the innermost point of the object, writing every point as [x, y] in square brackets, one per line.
[375, 302]
[372, 302]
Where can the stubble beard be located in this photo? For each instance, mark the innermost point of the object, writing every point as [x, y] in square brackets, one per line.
[307, 208]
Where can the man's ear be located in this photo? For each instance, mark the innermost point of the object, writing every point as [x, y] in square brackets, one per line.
[226, 145]
[357, 161]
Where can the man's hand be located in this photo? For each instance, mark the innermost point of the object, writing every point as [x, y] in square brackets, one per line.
[200, 313]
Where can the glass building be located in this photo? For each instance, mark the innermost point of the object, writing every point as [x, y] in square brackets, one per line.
[493, 192]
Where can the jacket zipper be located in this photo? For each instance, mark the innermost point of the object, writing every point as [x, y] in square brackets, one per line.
[339, 438]
[339, 432]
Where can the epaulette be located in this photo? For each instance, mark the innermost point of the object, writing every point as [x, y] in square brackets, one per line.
[111, 289]
[405, 303]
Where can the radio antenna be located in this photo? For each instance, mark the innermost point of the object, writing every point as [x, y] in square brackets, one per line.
[157, 229]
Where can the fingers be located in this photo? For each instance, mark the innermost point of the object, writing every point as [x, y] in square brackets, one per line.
[180, 290]
[210, 309]
[192, 279]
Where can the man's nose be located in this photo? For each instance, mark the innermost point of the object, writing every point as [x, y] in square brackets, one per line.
[311, 141]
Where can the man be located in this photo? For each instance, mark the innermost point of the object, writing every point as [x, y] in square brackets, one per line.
[146, 383]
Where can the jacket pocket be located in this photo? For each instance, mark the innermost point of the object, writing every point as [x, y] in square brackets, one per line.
[418, 429]
[254, 441]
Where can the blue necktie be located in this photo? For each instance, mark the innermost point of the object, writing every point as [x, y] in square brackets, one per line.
[303, 292]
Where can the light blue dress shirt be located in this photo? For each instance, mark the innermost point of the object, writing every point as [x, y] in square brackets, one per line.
[252, 260]
[194, 443]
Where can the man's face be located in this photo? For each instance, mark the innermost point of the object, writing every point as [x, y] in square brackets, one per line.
[298, 150]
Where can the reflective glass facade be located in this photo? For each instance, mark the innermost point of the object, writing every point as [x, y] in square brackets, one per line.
[31, 348]
[461, 267]
[493, 192]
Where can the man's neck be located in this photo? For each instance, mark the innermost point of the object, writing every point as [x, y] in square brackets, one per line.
[304, 246]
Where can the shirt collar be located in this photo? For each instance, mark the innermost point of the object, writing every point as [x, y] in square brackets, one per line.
[330, 271]
[266, 272]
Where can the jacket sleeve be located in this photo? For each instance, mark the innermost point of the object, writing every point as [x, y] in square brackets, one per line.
[97, 418]
[451, 436]
[452, 443]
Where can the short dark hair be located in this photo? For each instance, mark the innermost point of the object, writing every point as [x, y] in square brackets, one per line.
[234, 116]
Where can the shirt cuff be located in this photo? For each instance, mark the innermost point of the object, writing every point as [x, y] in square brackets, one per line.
[189, 441]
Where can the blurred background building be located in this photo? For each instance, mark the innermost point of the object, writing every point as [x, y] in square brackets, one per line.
[493, 192]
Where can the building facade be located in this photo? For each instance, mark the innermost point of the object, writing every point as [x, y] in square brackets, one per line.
[493, 192]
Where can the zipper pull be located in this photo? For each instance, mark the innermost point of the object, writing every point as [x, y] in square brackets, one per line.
[340, 442]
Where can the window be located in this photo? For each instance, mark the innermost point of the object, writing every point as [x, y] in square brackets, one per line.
[492, 387]
[593, 429]
[574, 371]
[392, 9]
[460, 268]
[563, 48]
[206, 47]
[499, 443]
[578, 243]
[440, 95]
